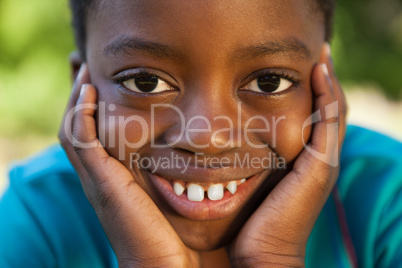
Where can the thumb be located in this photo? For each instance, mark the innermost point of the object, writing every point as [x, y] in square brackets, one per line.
[124, 209]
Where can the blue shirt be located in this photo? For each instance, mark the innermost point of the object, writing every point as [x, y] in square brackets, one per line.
[46, 220]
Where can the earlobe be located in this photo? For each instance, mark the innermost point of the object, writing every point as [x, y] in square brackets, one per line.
[75, 63]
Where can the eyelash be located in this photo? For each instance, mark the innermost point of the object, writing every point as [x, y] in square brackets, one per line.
[119, 79]
[281, 74]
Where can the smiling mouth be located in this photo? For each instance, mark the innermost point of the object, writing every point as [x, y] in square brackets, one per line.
[205, 200]
[196, 191]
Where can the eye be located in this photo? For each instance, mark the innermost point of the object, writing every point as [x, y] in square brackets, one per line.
[268, 83]
[147, 83]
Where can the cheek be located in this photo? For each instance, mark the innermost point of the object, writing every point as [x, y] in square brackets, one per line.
[288, 131]
[292, 133]
[128, 133]
[122, 132]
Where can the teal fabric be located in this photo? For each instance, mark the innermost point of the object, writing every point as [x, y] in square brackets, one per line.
[370, 186]
[46, 221]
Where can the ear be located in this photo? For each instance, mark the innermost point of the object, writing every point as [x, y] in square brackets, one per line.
[75, 63]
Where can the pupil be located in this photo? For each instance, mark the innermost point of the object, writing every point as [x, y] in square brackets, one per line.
[268, 83]
[146, 83]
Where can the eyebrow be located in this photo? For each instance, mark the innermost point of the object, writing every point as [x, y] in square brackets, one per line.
[127, 45]
[292, 46]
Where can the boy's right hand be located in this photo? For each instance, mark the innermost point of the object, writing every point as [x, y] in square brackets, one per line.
[138, 232]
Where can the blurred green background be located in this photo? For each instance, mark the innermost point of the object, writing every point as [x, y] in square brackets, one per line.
[368, 44]
[36, 39]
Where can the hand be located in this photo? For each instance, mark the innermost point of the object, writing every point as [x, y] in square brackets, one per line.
[139, 233]
[277, 233]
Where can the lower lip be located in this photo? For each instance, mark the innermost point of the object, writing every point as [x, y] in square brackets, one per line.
[206, 209]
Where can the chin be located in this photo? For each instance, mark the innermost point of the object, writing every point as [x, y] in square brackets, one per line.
[209, 235]
[209, 240]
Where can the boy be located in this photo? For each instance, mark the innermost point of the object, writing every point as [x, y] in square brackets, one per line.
[215, 90]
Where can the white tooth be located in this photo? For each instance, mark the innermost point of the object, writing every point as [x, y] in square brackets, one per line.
[178, 188]
[215, 192]
[195, 192]
[242, 181]
[232, 187]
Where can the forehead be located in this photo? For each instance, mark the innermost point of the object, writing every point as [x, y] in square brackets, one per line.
[222, 26]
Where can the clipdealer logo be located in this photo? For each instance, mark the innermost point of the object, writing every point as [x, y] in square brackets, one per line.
[330, 156]
[174, 161]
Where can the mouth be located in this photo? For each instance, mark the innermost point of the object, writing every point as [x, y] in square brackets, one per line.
[203, 200]
[196, 191]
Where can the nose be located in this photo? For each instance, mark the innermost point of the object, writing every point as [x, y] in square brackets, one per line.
[211, 123]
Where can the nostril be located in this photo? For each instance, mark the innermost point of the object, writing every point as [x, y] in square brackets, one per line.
[201, 139]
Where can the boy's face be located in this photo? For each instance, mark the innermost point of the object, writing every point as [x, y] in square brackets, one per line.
[213, 64]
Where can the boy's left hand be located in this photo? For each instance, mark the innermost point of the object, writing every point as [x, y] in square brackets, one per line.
[277, 233]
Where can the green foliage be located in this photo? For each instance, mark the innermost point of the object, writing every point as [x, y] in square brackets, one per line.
[368, 43]
[36, 38]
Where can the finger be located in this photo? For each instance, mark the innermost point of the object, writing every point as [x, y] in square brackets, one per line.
[339, 95]
[106, 175]
[65, 130]
[315, 171]
[86, 145]
[66, 126]
[125, 210]
[289, 212]
[317, 166]
[326, 57]
[82, 78]
[302, 193]
[324, 139]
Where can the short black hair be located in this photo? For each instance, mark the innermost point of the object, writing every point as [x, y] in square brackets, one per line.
[80, 8]
[79, 12]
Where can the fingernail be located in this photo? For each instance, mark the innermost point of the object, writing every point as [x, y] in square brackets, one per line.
[83, 89]
[329, 53]
[81, 72]
[328, 49]
[325, 69]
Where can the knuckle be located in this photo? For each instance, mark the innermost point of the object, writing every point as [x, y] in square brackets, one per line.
[84, 158]
[79, 150]
[322, 183]
[86, 161]
[324, 178]
[104, 199]
[333, 120]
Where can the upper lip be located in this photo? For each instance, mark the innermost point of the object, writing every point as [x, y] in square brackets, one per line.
[206, 175]
[194, 171]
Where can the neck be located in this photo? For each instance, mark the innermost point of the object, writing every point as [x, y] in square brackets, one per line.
[217, 258]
